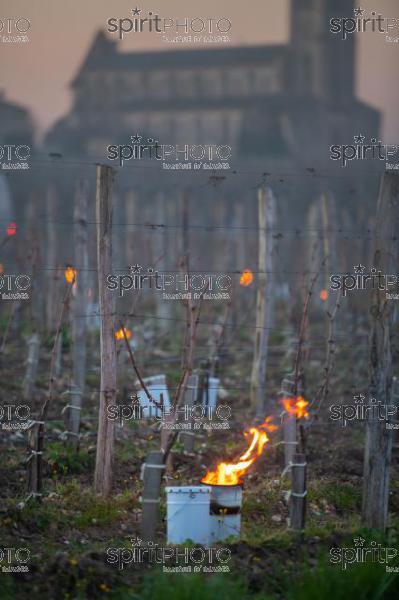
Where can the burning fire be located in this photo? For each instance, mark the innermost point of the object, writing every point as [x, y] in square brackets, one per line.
[119, 334]
[246, 278]
[70, 274]
[232, 473]
[323, 295]
[11, 229]
[296, 406]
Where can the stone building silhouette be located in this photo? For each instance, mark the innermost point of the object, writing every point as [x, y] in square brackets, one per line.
[16, 128]
[284, 103]
[280, 108]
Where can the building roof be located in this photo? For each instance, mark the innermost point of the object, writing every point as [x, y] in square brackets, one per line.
[104, 54]
[11, 107]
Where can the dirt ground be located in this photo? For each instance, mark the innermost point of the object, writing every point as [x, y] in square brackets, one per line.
[69, 530]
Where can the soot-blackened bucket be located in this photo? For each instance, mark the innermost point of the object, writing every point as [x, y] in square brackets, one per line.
[225, 511]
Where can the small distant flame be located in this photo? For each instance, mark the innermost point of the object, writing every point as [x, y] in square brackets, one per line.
[296, 406]
[1, 269]
[119, 334]
[70, 274]
[324, 295]
[246, 278]
[11, 229]
[232, 473]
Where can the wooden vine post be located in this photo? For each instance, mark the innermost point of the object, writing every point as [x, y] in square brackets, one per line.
[31, 366]
[79, 326]
[187, 436]
[378, 447]
[185, 208]
[51, 257]
[163, 306]
[289, 424]
[267, 222]
[105, 437]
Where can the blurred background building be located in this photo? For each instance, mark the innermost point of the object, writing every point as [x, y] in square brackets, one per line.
[16, 128]
[279, 107]
[284, 103]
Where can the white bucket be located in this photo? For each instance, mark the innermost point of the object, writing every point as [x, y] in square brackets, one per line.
[188, 514]
[156, 386]
[225, 511]
[209, 402]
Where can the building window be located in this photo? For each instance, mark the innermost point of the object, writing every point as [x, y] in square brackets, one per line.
[213, 127]
[136, 86]
[159, 85]
[186, 130]
[159, 127]
[237, 82]
[185, 84]
[265, 80]
[212, 83]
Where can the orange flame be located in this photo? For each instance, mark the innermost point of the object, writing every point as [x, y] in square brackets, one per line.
[323, 295]
[11, 229]
[119, 334]
[232, 473]
[70, 274]
[1, 269]
[296, 406]
[246, 278]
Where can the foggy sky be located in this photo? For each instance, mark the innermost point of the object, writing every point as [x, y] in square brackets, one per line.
[37, 74]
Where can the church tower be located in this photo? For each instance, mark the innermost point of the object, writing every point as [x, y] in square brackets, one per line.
[321, 63]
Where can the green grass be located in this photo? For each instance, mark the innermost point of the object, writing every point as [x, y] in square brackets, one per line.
[64, 460]
[360, 582]
[287, 576]
[343, 496]
[71, 506]
[7, 587]
[184, 586]
[127, 450]
[87, 508]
